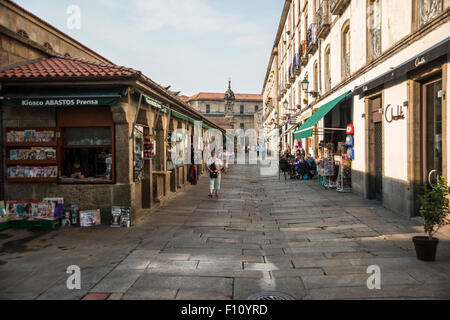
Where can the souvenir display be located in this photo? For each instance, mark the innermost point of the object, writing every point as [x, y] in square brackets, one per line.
[138, 158]
[149, 147]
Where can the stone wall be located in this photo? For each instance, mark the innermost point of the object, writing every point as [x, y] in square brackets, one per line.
[13, 51]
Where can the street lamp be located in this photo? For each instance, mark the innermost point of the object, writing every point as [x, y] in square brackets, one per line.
[305, 87]
[286, 104]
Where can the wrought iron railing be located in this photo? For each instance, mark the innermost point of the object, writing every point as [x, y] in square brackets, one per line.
[311, 36]
[323, 15]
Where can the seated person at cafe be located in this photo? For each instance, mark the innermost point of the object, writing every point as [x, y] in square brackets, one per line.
[76, 170]
[302, 167]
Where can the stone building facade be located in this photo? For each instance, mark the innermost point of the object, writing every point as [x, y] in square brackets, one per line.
[213, 106]
[386, 62]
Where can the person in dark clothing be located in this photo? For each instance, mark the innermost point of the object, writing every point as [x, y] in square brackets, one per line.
[312, 166]
[76, 170]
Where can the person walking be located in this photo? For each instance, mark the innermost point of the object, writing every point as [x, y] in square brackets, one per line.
[215, 166]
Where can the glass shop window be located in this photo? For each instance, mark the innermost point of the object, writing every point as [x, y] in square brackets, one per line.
[88, 155]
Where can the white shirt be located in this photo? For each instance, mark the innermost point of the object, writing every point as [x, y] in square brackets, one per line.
[215, 160]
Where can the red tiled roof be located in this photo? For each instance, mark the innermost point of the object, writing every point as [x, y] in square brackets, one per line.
[221, 96]
[61, 67]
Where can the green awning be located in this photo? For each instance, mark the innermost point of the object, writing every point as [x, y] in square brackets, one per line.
[181, 116]
[59, 98]
[156, 105]
[306, 131]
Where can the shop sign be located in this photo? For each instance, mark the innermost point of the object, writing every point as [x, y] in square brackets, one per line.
[420, 61]
[350, 129]
[390, 116]
[76, 102]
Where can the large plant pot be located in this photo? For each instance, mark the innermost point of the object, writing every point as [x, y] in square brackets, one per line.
[425, 248]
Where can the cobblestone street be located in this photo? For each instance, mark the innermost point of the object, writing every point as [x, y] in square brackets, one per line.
[261, 235]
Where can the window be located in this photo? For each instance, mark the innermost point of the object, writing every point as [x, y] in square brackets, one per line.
[88, 152]
[425, 11]
[373, 29]
[242, 126]
[242, 110]
[208, 108]
[327, 69]
[346, 50]
[256, 108]
[316, 77]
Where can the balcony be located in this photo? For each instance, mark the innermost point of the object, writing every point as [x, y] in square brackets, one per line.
[323, 19]
[303, 53]
[297, 65]
[292, 73]
[311, 39]
[338, 6]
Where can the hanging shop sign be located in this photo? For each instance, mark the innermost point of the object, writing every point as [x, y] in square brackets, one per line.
[350, 129]
[391, 116]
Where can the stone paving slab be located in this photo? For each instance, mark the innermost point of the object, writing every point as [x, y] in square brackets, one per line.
[262, 235]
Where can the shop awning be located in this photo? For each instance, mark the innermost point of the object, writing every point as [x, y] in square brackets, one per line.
[182, 117]
[306, 131]
[73, 98]
[156, 104]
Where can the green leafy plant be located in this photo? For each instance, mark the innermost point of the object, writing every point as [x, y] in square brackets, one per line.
[435, 207]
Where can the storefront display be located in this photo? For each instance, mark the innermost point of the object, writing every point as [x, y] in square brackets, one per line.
[149, 148]
[138, 154]
[31, 154]
[326, 166]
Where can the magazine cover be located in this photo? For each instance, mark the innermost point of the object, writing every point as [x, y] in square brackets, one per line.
[46, 210]
[20, 136]
[90, 218]
[57, 206]
[3, 215]
[29, 135]
[125, 220]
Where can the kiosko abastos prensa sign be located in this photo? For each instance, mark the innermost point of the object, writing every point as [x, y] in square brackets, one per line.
[78, 102]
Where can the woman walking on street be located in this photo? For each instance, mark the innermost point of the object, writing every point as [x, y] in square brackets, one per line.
[215, 166]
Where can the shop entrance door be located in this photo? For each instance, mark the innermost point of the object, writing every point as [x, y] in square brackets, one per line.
[375, 140]
[431, 132]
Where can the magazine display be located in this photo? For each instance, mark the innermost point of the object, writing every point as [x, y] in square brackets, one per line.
[57, 206]
[3, 215]
[18, 210]
[32, 154]
[32, 172]
[121, 217]
[90, 218]
[21, 136]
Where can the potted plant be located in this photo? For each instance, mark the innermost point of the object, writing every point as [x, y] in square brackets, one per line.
[434, 208]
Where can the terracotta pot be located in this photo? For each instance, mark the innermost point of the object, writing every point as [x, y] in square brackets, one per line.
[425, 248]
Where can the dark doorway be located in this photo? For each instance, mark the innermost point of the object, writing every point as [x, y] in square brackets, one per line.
[375, 146]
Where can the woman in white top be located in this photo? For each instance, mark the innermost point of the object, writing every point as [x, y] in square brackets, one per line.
[214, 166]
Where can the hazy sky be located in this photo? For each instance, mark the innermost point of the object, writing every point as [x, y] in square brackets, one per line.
[193, 45]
